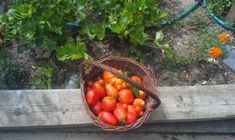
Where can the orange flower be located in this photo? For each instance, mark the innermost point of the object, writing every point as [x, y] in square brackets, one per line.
[223, 37]
[215, 52]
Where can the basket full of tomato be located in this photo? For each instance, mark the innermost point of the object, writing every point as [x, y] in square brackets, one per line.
[118, 93]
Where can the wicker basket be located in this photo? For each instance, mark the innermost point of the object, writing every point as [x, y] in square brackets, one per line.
[91, 69]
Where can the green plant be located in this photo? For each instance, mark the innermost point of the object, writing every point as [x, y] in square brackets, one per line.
[220, 7]
[127, 18]
[72, 51]
[43, 72]
[38, 22]
[8, 68]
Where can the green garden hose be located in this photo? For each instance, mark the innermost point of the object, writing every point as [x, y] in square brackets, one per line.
[218, 20]
[183, 14]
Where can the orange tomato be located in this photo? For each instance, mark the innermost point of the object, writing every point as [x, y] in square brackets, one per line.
[141, 113]
[111, 91]
[108, 103]
[138, 102]
[126, 96]
[120, 113]
[131, 109]
[142, 95]
[107, 76]
[137, 79]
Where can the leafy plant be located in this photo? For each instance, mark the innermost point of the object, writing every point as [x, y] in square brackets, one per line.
[128, 18]
[220, 7]
[43, 72]
[38, 22]
[71, 50]
[8, 68]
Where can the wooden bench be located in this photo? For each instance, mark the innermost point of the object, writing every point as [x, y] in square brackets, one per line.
[190, 109]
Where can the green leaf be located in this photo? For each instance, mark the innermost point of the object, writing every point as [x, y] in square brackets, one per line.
[135, 91]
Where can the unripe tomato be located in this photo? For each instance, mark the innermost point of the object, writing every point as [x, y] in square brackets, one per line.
[139, 102]
[137, 79]
[108, 103]
[108, 117]
[126, 96]
[142, 95]
[131, 118]
[92, 97]
[131, 109]
[111, 91]
[97, 108]
[120, 113]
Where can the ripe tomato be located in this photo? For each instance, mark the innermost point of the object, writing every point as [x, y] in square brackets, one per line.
[97, 108]
[141, 113]
[100, 81]
[142, 95]
[120, 113]
[131, 109]
[125, 106]
[126, 96]
[108, 103]
[108, 117]
[139, 102]
[138, 109]
[107, 76]
[100, 89]
[92, 97]
[137, 79]
[111, 91]
[131, 118]
[90, 83]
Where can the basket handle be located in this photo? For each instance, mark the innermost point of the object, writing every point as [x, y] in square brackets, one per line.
[126, 79]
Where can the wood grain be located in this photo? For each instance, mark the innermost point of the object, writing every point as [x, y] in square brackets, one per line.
[48, 108]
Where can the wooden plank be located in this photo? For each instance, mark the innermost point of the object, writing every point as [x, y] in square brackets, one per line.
[231, 15]
[48, 108]
[105, 136]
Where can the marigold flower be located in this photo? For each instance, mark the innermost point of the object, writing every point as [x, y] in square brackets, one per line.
[215, 52]
[223, 37]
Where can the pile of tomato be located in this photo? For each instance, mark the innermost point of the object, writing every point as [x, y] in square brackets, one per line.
[113, 100]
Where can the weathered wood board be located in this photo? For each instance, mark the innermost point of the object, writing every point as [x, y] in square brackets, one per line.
[105, 136]
[48, 108]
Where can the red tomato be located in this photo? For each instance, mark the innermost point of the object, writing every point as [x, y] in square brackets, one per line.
[120, 113]
[97, 108]
[138, 109]
[131, 109]
[108, 103]
[126, 96]
[90, 83]
[100, 89]
[92, 97]
[137, 79]
[139, 102]
[108, 117]
[125, 106]
[130, 118]
[100, 81]
[111, 91]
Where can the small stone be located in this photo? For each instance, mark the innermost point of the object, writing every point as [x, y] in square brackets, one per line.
[204, 82]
